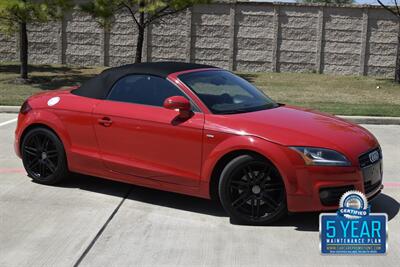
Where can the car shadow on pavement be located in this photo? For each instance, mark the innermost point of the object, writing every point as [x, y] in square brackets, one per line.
[96, 185]
[310, 221]
[145, 195]
[385, 204]
[305, 221]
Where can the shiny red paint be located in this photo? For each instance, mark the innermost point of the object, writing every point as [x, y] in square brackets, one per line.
[155, 147]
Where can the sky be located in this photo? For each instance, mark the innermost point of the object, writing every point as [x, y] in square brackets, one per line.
[370, 2]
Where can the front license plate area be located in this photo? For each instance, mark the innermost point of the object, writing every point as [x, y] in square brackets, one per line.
[372, 173]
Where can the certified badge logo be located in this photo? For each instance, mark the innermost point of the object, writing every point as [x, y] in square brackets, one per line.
[353, 205]
[353, 229]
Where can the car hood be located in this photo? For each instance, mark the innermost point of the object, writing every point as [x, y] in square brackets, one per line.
[294, 126]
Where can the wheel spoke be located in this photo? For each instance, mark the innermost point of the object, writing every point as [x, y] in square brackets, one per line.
[37, 142]
[42, 169]
[272, 187]
[241, 200]
[248, 173]
[50, 165]
[31, 150]
[239, 185]
[253, 208]
[270, 202]
[33, 163]
[52, 153]
[46, 144]
[262, 175]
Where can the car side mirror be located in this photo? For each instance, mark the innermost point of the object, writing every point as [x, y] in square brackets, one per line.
[179, 103]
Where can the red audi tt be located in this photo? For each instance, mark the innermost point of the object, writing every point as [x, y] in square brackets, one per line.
[202, 131]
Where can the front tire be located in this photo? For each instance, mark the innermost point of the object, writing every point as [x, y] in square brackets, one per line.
[44, 157]
[252, 191]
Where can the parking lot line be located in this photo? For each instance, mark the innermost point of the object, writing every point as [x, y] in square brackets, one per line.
[12, 170]
[8, 122]
[89, 247]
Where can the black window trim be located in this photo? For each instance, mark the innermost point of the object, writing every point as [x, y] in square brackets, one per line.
[195, 107]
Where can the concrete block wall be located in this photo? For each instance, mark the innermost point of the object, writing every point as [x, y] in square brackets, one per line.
[8, 48]
[211, 35]
[83, 42]
[167, 39]
[122, 41]
[43, 42]
[342, 41]
[297, 39]
[254, 37]
[382, 45]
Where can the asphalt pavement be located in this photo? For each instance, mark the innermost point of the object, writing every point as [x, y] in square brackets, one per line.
[87, 221]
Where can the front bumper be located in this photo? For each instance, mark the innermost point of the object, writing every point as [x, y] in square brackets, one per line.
[319, 188]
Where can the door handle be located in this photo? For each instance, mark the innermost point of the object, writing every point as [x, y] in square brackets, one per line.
[105, 121]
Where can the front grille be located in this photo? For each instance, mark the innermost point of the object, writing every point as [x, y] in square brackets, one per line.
[331, 195]
[371, 170]
[365, 160]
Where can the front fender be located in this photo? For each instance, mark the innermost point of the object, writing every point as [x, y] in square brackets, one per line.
[273, 152]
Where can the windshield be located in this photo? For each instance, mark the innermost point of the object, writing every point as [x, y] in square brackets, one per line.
[225, 93]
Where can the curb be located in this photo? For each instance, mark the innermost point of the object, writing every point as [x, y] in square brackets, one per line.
[372, 120]
[354, 119]
[9, 109]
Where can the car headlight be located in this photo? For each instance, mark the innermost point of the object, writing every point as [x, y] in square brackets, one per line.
[321, 156]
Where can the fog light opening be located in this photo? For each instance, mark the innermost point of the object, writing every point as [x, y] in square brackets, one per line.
[324, 194]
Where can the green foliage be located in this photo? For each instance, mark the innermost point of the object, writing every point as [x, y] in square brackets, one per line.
[13, 12]
[104, 11]
[329, 1]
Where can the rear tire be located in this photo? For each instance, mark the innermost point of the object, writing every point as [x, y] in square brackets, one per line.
[43, 156]
[252, 191]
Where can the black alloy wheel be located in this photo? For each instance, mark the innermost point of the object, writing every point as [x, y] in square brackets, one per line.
[252, 191]
[43, 156]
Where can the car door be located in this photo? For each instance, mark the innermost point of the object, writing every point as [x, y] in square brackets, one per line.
[138, 136]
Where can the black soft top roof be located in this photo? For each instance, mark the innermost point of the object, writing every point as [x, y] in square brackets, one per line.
[99, 86]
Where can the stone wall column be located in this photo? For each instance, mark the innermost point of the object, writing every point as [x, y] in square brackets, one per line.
[105, 48]
[189, 34]
[148, 43]
[232, 37]
[364, 40]
[275, 40]
[320, 40]
[62, 41]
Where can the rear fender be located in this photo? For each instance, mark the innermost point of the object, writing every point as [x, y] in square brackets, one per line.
[51, 120]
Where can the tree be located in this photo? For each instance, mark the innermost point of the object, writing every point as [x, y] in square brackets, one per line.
[395, 11]
[16, 14]
[143, 13]
[329, 1]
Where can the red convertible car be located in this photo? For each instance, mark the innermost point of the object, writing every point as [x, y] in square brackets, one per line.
[202, 131]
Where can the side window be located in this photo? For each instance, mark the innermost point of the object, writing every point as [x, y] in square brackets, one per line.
[143, 89]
